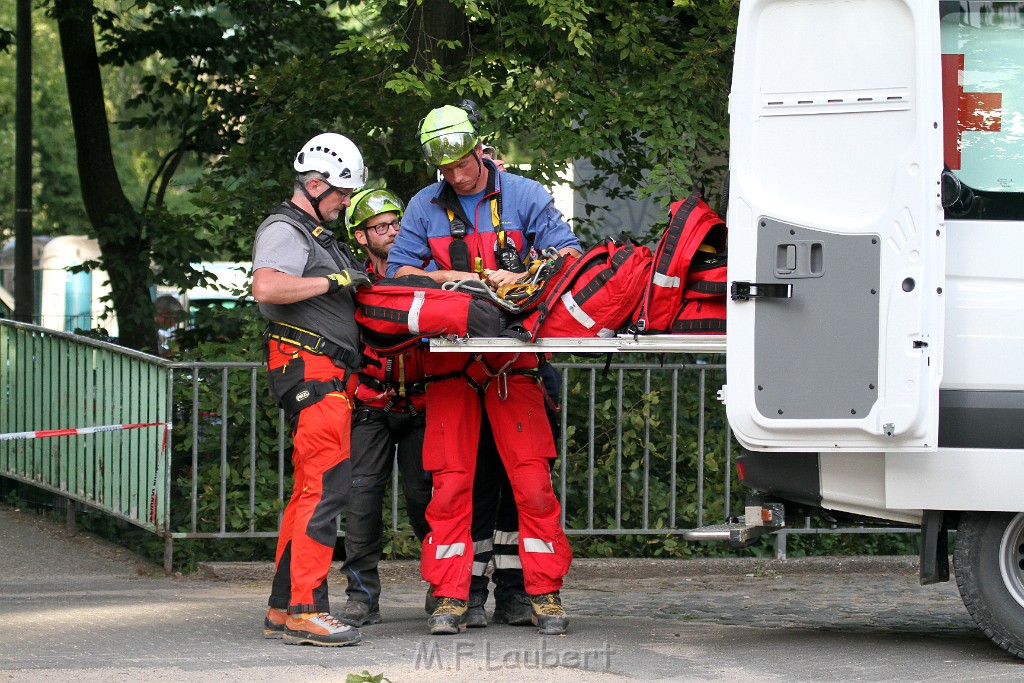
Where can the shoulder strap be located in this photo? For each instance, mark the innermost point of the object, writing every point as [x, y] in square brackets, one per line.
[458, 253]
[339, 251]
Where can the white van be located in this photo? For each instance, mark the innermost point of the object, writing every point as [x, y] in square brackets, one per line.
[875, 355]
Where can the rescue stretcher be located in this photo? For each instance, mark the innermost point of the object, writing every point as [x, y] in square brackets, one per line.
[622, 343]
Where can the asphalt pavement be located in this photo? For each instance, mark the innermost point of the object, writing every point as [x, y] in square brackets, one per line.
[73, 607]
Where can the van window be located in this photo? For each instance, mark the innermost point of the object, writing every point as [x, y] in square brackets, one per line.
[983, 102]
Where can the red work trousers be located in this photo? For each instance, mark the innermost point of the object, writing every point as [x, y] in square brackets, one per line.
[322, 479]
[515, 408]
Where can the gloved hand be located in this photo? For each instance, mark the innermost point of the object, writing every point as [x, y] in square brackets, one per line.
[347, 278]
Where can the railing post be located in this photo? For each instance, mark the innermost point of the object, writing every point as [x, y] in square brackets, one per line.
[70, 519]
[780, 545]
[168, 553]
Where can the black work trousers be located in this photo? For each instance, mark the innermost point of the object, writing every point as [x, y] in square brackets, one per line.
[375, 434]
[495, 530]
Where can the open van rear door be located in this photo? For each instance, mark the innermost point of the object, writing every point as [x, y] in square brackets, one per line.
[836, 240]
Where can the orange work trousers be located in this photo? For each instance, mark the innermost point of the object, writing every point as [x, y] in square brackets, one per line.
[321, 440]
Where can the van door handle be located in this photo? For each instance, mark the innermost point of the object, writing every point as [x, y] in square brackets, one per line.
[743, 291]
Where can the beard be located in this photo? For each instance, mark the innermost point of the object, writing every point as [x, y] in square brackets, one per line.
[379, 250]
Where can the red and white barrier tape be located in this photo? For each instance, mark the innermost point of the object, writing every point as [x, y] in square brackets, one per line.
[47, 433]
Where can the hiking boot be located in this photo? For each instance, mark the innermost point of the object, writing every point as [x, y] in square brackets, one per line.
[318, 628]
[449, 617]
[515, 610]
[273, 623]
[475, 615]
[430, 603]
[358, 613]
[548, 615]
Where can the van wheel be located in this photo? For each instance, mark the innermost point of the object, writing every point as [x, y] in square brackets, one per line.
[989, 562]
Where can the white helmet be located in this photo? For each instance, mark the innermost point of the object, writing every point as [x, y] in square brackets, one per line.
[334, 156]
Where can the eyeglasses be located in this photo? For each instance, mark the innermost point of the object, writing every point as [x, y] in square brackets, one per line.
[345, 193]
[382, 228]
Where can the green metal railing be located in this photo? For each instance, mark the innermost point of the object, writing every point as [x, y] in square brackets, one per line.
[86, 420]
[197, 450]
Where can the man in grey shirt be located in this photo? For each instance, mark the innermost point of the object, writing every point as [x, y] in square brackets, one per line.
[303, 280]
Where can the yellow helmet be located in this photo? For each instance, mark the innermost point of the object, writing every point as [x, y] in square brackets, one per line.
[447, 134]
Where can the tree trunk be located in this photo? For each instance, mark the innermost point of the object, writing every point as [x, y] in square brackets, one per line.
[431, 22]
[125, 253]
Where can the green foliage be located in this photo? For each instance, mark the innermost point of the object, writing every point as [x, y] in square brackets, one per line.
[812, 545]
[13, 498]
[366, 677]
[208, 53]
[654, 419]
[642, 86]
[215, 97]
[639, 90]
[57, 206]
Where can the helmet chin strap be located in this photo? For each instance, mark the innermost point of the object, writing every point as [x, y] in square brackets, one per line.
[315, 201]
[479, 165]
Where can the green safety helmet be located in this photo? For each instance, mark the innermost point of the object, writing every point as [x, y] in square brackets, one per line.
[447, 135]
[369, 203]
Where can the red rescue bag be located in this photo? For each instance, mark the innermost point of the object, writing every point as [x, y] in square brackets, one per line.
[396, 313]
[692, 224]
[594, 295]
[704, 300]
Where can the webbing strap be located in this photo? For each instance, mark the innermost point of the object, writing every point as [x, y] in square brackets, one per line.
[500, 374]
[310, 393]
[614, 263]
[710, 287]
[339, 252]
[405, 388]
[308, 341]
[699, 325]
[458, 251]
[675, 232]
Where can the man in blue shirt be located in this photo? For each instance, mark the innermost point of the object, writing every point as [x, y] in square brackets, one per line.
[477, 223]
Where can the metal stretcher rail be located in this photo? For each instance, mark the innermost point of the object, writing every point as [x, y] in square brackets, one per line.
[623, 343]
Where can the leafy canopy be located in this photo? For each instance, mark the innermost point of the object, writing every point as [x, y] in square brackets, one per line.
[638, 88]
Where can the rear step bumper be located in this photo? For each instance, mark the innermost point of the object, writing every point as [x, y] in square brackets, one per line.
[764, 518]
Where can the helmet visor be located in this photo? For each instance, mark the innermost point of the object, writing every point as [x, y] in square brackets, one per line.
[448, 147]
[373, 204]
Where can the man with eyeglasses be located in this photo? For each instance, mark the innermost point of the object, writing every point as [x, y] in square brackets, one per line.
[477, 223]
[303, 279]
[390, 411]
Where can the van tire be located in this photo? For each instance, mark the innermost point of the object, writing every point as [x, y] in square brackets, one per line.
[989, 561]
